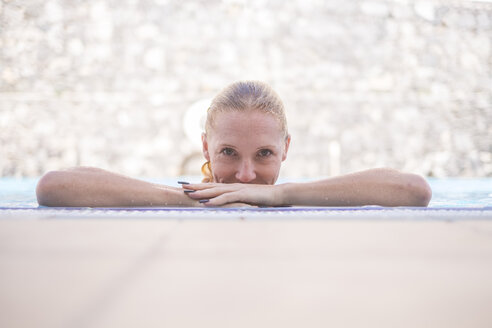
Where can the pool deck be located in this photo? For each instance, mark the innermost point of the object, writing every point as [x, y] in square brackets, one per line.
[142, 272]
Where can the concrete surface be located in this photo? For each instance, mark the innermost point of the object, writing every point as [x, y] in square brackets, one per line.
[245, 273]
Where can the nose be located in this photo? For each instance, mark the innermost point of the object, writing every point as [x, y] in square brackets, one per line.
[246, 172]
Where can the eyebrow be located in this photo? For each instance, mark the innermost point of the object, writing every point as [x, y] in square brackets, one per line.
[226, 145]
[261, 147]
[267, 146]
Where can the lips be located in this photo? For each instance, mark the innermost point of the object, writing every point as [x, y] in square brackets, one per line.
[237, 181]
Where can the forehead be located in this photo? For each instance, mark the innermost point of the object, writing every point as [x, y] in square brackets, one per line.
[237, 126]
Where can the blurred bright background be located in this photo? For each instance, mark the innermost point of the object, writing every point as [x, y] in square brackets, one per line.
[124, 84]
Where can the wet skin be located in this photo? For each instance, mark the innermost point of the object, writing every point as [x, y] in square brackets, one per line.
[246, 150]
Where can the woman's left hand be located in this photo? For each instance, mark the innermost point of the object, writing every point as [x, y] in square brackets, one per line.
[220, 194]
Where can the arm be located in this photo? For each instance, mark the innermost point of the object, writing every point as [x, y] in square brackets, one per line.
[384, 187]
[92, 187]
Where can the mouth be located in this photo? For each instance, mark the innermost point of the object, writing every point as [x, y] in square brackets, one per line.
[250, 182]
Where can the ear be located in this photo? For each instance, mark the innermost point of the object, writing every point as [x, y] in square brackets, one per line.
[205, 147]
[286, 149]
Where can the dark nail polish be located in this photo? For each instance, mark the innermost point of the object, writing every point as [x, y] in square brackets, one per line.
[187, 191]
[183, 182]
[203, 200]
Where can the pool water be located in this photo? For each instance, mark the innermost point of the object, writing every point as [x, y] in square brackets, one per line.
[447, 193]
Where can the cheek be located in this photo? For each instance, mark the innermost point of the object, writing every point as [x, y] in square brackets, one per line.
[269, 171]
[221, 168]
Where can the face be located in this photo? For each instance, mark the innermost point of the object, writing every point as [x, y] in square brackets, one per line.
[245, 147]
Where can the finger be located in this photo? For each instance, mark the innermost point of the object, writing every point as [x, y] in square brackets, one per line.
[229, 205]
[210, 192]
[226, 198]
[242, 205]
[199, 186]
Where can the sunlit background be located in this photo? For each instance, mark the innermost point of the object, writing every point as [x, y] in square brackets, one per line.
[123, 85]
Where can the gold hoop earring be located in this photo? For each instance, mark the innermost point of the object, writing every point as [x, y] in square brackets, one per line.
[207, 172]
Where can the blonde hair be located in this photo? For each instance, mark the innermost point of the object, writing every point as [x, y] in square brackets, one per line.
[242, 96]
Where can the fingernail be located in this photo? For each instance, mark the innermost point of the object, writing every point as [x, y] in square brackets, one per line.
[183, 182]
[187, 191]
[203, 200]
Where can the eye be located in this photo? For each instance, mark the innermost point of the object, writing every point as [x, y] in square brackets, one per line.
[265, 153]
[228, 152]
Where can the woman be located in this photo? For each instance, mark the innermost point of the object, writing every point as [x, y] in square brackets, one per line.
[244, 143]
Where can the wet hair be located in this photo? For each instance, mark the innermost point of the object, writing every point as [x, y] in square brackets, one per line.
[243, 96]
[247, 95]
